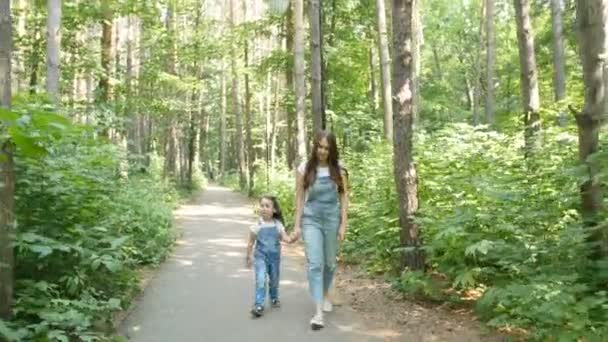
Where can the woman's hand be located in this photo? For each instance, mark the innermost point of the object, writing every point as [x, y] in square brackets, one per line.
[248, 261]
[297, 232]
[342, 232]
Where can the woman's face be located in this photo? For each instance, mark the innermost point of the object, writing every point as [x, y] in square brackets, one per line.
[323, 150]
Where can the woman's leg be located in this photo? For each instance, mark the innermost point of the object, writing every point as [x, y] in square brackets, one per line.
[330, 251]
[313, 239]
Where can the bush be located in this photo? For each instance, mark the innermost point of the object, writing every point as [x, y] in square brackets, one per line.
[82, 231]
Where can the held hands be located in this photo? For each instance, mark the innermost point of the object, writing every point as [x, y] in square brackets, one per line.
[295, 235]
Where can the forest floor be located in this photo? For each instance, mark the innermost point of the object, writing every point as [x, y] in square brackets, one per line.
[204, 292]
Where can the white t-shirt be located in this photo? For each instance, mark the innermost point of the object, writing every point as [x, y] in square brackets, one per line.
[255, 229]
[322, 171]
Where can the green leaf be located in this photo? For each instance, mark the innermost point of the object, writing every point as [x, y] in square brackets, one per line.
[8, 116]
[41, 250]
[481, 247]
[8, 333]
[119, 241]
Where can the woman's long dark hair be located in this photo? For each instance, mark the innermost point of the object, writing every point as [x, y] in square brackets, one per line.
[332, 160]
[278, 214]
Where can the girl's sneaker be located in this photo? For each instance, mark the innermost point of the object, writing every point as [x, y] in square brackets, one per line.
[316, 323]
[327, 306]
[257, 311]
[275, 303]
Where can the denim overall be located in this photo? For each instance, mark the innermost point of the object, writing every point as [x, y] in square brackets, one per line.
[267, 261]
[320, 222]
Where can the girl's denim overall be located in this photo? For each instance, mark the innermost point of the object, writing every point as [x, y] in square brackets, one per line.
[267, 262]
[320, 222]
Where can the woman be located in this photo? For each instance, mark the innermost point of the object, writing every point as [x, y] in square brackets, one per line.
[321, 207]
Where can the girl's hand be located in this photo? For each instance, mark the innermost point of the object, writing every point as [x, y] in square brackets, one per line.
[293, 238]
[342, 232]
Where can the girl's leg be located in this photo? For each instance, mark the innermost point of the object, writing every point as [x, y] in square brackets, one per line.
[260, 281]
[274, 272]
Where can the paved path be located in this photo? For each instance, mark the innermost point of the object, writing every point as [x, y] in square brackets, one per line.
[204, 292]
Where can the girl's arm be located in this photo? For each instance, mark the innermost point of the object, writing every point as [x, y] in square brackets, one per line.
[250, 243]
[297, 231]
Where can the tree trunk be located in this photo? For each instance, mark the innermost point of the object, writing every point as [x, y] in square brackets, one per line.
[404, 167]
[18, 77]
[559, 64]
[437, 62]
[193, 139]
[273, 129]
[204, 154]
[373, 89]
[291, 114]
[385, 70]
[416, 54]
[7, 186]
[248, 123]
[35, 61]
[133, 143]
[528, 74]
[172, 153]
[490, 58]
[316, 66]
[53, 44]
[236, 103]
[300, 89]
[106, 51]
[477, 71]
[468, 92]
[223, 134]
[593, 37]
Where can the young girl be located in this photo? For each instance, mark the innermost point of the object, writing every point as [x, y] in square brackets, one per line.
[266, 235]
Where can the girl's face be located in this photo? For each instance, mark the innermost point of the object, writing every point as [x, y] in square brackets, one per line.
[323, 150]
[266, 208]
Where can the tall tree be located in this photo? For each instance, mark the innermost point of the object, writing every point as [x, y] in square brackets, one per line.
[316, 65]
[223, 133]
[559, 64]
[416, 54]
[476, 103]
[53, 44]
[289, 73]
[236, 101]
[248, 114]
[405, 170]
[593, 36]
[490, 60]
[298, 43]
[7, 186]
[385, 70]
[172, 153]
[106, 50]
[528, 73]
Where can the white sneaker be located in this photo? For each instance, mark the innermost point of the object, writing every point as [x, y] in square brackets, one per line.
[327, 306]
[316, 322]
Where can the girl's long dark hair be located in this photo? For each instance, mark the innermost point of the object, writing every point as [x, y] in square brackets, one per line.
[278, 214]
[332, 159]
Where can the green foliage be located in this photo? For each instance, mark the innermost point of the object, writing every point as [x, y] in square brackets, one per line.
[82, 231]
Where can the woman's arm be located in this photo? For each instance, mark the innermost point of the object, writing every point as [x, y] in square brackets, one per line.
[344, 206]
[299, 205]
